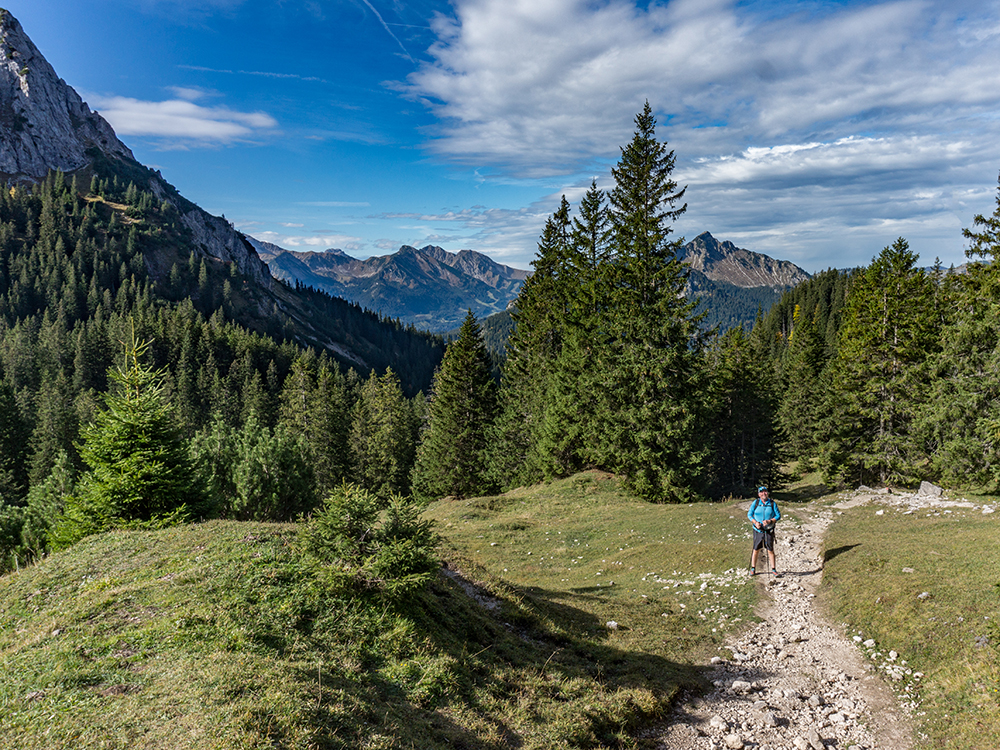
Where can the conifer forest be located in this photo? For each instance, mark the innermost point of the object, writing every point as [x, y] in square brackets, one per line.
[143, 385]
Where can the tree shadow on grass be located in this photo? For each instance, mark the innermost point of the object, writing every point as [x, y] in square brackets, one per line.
[549, 663]
[832, 553]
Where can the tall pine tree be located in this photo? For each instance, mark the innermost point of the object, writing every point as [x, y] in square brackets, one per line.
[889, 329]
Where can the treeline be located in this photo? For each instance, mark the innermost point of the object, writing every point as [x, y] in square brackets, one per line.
[888, 374]
[119, 407]
[271, 424]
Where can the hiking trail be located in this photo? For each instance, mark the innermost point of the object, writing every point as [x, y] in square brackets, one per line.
[796, 681]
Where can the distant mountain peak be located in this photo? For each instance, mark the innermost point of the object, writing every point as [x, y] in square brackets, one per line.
[724, 261]
[429, 287]
[44, 124]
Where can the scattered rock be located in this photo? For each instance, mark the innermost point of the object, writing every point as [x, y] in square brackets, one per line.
[909, 570]
[923, 595]
[612, 625]
[792, 676]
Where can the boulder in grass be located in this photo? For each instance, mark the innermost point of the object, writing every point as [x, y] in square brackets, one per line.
[930, 490]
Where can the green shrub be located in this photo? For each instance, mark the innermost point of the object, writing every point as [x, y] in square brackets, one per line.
[357, 539]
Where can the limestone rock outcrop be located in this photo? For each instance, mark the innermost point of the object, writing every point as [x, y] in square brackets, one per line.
[723, 261]
[44, 124]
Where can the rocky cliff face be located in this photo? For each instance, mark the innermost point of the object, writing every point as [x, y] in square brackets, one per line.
[44, 125]
[723, 261]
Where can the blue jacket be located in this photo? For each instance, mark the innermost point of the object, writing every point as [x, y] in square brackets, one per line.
[763, 510]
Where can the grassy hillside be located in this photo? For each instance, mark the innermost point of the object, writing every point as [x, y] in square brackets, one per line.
[925, 584]
[215, 636]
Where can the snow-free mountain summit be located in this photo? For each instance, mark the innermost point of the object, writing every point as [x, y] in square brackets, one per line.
[428, 287]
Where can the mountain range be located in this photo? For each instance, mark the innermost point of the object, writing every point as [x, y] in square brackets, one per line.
[46, 126]
[429, 287]
[432, 288]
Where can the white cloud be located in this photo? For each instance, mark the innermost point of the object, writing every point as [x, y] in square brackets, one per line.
[324, 241]
[180, 119]
[789, 121]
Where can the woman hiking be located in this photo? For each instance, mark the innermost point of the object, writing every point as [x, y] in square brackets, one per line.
[763, 514]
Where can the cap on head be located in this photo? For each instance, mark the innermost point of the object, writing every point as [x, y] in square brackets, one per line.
[762, 488]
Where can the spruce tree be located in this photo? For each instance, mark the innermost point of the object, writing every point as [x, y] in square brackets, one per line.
[567, 440]
[800, 410]
[880, 381]
[139, 473]
[742, 417]
[652, 378]
[452, 455]
[532, 350]
[960, 424]
[383, 436]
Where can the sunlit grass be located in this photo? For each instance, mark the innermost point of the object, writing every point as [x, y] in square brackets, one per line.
[923, 584]
[215, 636]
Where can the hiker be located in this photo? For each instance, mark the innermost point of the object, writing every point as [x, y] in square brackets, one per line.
[763, 514]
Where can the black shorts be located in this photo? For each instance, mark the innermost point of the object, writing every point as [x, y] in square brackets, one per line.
[763, 538]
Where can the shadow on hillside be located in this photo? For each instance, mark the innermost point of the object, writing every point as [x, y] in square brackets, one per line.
[381, 707]
[537, 647]
[832, 553]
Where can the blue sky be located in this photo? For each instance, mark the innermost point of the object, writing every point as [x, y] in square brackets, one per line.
[816, 132]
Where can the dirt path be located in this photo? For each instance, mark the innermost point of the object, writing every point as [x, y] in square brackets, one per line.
[795, 680]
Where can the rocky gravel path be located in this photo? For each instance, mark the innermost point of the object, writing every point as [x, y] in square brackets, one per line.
[794, 680]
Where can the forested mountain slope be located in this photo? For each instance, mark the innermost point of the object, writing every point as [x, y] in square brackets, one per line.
[48, 127]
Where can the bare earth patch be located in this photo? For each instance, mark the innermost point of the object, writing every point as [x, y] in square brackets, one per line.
[795, 680]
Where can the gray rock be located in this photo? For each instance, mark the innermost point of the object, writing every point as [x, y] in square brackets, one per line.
[740, 686]
[815, 741]
[930, 490]
[44, 124]
[734, 742]
[815, 700]
[769, 719]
